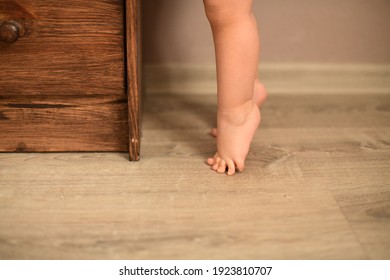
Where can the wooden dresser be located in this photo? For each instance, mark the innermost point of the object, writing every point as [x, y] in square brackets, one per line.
[70, 76]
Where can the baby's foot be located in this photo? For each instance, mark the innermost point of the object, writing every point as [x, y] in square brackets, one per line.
[259, 97]
[236, 129]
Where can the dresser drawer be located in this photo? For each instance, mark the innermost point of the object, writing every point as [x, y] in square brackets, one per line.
[63, 79]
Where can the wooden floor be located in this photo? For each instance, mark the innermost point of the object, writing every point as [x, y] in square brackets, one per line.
[316, 186]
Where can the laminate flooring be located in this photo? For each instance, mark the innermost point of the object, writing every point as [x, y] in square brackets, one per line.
[316, 186]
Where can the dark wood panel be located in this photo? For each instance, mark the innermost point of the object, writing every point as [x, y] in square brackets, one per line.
[63, 85]
[133, 42]
[42, 123]
[69, 48]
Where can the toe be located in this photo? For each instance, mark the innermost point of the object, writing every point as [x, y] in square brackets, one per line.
[231, 167]
[240, 165]
[214, 132]
[217, 163]
[210, 161]
[222, 166]
[213, 160]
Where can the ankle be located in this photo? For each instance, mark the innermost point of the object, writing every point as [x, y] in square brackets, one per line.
[236, 115]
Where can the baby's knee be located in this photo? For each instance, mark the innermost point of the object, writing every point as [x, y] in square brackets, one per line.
[212, 7]
[217, 11]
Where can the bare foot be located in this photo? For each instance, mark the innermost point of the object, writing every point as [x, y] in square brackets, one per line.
[259, 97]
[236, 130]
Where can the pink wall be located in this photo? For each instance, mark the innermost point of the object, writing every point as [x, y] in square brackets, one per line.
[303, 31]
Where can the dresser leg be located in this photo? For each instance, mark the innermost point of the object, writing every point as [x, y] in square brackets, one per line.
[133, 53]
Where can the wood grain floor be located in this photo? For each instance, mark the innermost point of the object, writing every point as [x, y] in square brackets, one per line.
[317, 186]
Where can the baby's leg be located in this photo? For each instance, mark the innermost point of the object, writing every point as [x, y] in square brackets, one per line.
[237, 46]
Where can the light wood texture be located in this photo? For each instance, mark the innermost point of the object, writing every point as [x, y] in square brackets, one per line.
[292, 78]
[316, 186]
[62, 84]
[133, 46]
